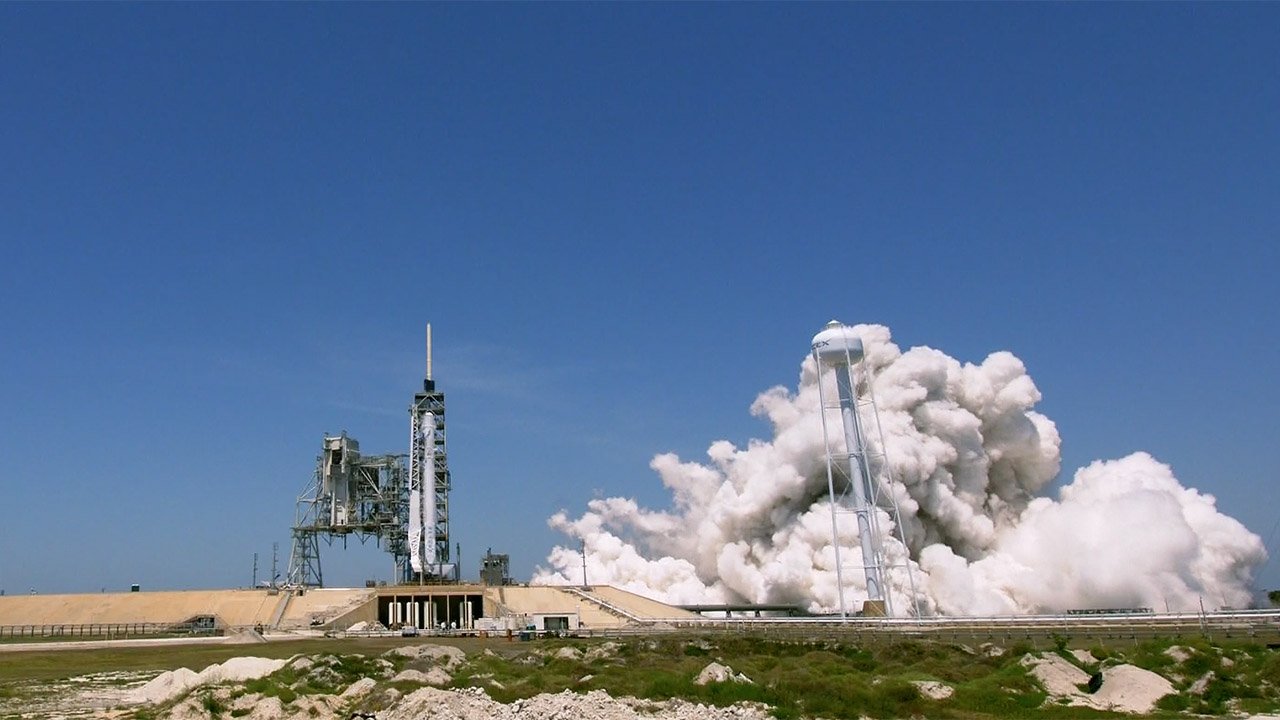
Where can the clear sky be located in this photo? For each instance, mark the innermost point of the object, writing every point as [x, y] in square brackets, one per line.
[225, 225]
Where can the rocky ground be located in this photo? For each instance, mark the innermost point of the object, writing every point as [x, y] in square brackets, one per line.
[421, 682]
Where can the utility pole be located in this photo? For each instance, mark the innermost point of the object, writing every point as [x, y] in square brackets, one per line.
[584, 565]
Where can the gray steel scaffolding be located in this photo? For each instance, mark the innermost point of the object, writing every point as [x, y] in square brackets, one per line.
[349, 495]
[430, 402]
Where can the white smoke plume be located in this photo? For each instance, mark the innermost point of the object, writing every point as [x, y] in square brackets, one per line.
[968, 458]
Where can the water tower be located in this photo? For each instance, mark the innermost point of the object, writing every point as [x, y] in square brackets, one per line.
[857, 474]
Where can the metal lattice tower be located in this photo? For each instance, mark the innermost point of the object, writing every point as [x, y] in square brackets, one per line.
[429, 484]
[857, 472]
[399, 500]
[349, 494]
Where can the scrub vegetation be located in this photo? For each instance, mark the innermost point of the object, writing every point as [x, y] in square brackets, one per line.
[795, 679]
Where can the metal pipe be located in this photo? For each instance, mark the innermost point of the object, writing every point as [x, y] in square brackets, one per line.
[856, 447]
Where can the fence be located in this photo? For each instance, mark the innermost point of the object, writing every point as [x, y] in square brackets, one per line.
[109, 631]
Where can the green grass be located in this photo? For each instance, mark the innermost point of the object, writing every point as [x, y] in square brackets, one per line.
[277, 686]
[56, 664]
[836, 680]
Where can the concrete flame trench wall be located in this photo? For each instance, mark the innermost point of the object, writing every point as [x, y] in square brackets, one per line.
[337, 608]
[404, 607]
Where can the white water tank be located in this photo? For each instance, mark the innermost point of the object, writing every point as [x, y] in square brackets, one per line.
[837, 344]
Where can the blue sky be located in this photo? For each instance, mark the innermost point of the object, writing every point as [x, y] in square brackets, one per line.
[225, 225]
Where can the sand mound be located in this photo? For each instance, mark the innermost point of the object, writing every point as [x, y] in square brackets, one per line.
[715, 672]
[434, 676]
[239, 669]
[603, 651]
[568, 653]
[1129, 688]
[164, 686]
[1059, 677]
[258, 708]
[473, 704]
[363, 686]
[1084, 657]
[449, 656]
[934, 690]
[1125, 688]
[171, 684]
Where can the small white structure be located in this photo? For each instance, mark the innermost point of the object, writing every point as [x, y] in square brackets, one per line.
[555, 621]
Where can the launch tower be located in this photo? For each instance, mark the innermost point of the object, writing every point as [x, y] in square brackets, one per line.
[350, 494]
[402, 504]
[429, 481]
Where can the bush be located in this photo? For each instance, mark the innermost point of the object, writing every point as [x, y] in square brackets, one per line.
[665, 686]
[728, 693]
[1256, 706]
[894, 698]
[860, 660]
[1018, 649]
[1216, 696]
[1007, 692]
[848, 699]
[274, 685]
[1270, 670]
[1198, 664]
[212, 705]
